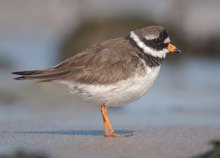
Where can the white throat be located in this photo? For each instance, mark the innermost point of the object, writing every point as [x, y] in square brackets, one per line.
[148, 50]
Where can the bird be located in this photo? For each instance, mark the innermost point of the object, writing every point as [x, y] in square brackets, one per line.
[111, 73]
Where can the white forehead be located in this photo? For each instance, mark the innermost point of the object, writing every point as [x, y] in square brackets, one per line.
[167, 40]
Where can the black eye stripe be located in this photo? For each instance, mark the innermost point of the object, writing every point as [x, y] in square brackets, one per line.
[156, 44]
[164, 45]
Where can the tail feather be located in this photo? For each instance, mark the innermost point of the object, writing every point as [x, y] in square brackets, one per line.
[31, 72]
[20, 78]
[40, 75]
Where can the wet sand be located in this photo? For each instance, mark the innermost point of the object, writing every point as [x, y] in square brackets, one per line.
[79, 133]
[153, 142]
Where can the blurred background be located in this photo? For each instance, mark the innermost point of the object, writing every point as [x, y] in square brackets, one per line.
[39, 34]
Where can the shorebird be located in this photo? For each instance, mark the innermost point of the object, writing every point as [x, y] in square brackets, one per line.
[111, 73]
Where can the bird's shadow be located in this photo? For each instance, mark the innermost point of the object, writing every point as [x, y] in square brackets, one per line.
[69, 132]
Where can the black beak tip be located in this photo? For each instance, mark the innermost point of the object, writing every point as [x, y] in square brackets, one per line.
[177, 51]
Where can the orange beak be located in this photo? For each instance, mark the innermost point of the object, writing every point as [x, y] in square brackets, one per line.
[172, 49]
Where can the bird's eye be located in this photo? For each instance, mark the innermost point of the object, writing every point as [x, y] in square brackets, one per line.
[160, 40]
[161, 43]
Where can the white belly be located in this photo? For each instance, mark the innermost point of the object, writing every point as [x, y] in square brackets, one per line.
[116, 94]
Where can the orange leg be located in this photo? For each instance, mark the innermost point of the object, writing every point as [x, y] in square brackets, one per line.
[108, 130]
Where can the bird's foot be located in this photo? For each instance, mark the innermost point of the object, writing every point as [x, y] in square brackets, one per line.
[116, 135]
[108, 129]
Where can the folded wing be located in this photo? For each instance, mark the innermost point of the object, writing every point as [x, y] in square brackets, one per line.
[100, 64]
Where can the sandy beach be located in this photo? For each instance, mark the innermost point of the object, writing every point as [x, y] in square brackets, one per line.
[153, 142]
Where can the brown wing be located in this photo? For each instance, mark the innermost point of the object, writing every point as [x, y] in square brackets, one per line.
[103, 63]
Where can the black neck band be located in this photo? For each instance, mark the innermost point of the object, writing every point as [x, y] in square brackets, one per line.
[149, 59]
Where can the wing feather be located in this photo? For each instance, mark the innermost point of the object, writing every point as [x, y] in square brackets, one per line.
[102, 63]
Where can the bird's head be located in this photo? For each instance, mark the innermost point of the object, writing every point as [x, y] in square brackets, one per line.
[153, 40]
